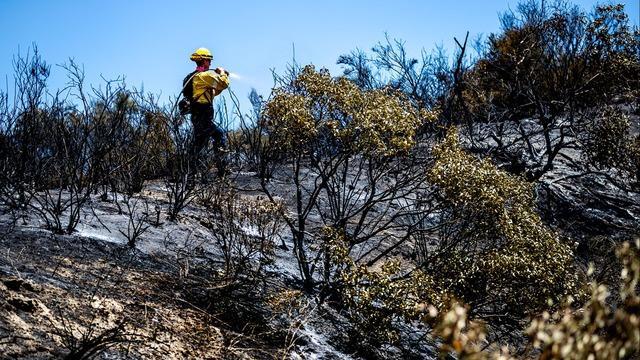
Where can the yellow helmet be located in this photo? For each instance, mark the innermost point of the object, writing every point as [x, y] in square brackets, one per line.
[201, 54]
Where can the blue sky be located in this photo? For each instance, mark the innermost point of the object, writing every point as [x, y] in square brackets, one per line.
[149, 42]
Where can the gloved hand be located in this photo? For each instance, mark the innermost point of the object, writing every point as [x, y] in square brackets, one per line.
[220, 70]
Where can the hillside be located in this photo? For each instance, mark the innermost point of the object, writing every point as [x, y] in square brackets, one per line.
[483, 205]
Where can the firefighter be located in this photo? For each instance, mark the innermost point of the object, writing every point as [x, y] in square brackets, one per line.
[200, 87]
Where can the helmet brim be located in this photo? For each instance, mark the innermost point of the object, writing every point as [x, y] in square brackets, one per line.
[200, 57]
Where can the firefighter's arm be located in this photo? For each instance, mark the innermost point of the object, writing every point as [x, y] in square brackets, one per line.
[218, 81]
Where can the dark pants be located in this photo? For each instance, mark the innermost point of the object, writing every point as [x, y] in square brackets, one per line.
[203, 130]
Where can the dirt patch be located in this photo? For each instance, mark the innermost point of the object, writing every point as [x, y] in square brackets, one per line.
[64, 295]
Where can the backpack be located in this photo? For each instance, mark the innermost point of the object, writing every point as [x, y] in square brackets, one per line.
[184, 105]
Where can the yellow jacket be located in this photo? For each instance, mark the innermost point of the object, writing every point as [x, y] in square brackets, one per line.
[207, 84]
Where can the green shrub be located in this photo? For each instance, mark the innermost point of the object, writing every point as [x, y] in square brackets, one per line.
[319, 110]
[609, 143]
[327, 137]
[600, 329]
[495, 252]
[377, 299]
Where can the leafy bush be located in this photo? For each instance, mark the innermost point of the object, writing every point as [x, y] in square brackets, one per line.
[495, 253]
[378, 299]
[609, 143]
[326, 135]
[318, 108]
[601, 328]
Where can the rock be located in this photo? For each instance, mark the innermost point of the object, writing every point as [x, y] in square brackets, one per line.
[16, 284]
[23, 303]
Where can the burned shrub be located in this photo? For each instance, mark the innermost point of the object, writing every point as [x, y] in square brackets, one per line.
[243, 235]
[50, 142]
[58, 149]
[538, 79]
[133, 135]
[26, 137]
[246, 143]
[180, 180]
